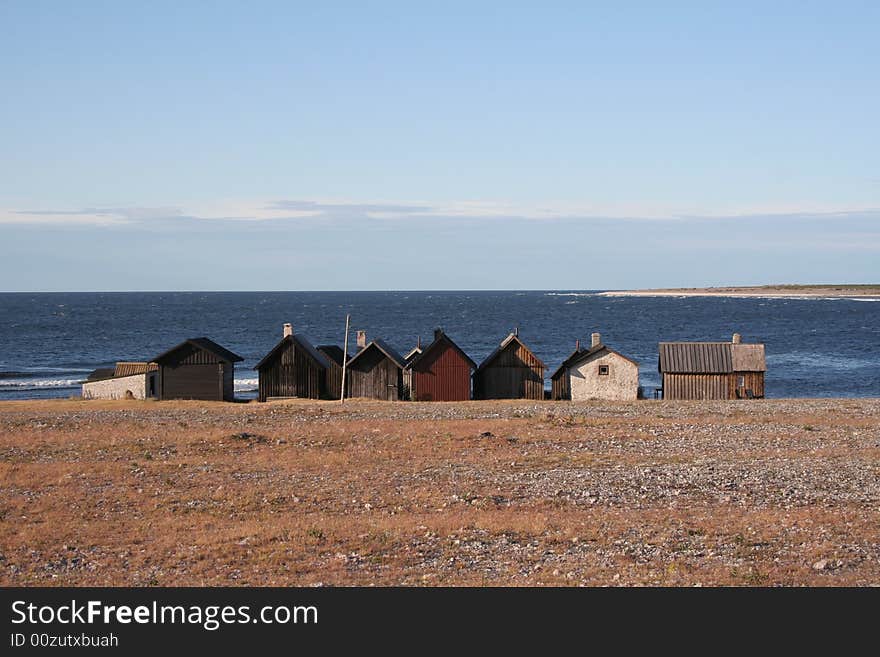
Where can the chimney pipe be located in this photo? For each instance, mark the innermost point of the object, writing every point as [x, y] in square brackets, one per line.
[288, 329]
[577, 345]
[361, 339]
[437, 333]
[516, 331]
[737, 338]
[596, 339]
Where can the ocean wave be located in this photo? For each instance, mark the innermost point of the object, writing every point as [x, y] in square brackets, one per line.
[246, 385]
[570, 294]
[21, 385]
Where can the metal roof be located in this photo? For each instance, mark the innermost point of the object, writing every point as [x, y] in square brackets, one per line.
[203, 343]
[710, 358]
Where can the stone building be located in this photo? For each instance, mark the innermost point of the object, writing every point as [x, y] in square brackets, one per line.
[596, 373]
[128, 380]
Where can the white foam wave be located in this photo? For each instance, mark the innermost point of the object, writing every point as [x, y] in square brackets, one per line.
[243, 385]
[27, 384]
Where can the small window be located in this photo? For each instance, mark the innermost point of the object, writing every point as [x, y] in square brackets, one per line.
[741, 382]
[603, 370]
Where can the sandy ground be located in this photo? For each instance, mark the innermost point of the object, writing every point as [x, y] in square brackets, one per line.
[770, 492]
[761, 291]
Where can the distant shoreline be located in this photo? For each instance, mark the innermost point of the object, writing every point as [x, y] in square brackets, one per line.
[759, 291]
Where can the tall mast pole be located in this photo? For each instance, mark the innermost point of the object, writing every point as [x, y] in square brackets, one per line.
[344, 359]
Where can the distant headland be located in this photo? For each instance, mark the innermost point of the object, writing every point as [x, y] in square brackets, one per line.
[858, 291]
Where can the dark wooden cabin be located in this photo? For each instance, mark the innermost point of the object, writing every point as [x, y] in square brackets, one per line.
[293, 368]
[198, 368]
[512, 371]
[442, 372]
[712, 370]
[407, 370]
[334, 356]
[560, 381]
[376, 372]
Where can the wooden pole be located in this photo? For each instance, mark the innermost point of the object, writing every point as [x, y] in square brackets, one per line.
[344, 359]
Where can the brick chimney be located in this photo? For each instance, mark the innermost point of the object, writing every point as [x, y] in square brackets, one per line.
[596, 339]
[737, 338]
[361, 339]
[288, 329]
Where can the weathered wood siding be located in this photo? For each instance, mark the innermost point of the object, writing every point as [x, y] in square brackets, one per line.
[292, 373]
[712, 386]
[696, 386]
[753, 381]
[374, 376]
[560, 386]
[334, 380]
[515, 373]
[194, 373]
[442, 376]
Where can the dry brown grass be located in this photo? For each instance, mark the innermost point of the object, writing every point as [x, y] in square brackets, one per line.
[489, 493]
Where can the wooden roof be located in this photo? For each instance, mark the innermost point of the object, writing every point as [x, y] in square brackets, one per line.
[511, 338]
[297, 339]
[207, 345]
[130, 368]
[710, 358]
[385, 348]
[333, 352]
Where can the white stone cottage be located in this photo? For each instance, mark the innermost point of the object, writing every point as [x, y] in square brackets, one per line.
[596, 373]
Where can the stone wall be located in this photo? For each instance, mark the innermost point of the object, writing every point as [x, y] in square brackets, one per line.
[621, 382]
[123, 387]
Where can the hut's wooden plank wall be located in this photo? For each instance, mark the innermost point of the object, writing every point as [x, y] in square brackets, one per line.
[514, 373]
[443, 375]
[712, 386]
[374, 376]
[292, 373]
[190, 372]
[561, 387]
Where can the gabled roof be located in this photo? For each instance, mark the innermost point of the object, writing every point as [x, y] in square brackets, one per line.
[303, 343]
[332, 352]
[385, 348]
[513, 337]
[207, 345]
[565, 363]
[710, 358]
[578, 356]
[592, 351]
[415, 351]
[436, 344]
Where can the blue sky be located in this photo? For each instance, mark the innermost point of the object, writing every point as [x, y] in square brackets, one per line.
[210, 145]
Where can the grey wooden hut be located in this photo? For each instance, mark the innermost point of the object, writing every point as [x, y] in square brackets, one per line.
[197, 368]
[334, 355]
[712, 370]
[512, 371]
[293, 368]
[375, 372]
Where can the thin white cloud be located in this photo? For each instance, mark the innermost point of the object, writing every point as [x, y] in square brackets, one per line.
[278, 210]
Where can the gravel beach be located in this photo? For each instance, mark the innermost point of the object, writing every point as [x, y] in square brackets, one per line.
[770, 492]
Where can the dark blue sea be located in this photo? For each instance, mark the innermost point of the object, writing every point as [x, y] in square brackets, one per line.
[815, 347]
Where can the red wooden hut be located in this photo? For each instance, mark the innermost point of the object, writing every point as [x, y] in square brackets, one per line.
[442, 372]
